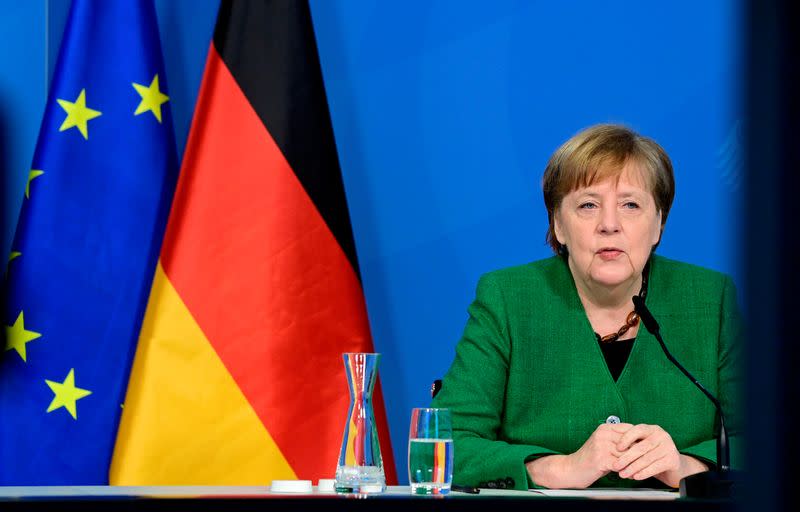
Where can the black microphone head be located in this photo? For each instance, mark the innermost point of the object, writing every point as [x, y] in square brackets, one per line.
[647, 318]
[436, 387]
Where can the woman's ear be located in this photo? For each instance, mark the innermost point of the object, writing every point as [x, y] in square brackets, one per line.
[659, 231]
[557, 228]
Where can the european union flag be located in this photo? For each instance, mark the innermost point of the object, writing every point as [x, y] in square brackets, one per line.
[86, 245]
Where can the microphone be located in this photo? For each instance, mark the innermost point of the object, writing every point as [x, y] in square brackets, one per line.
[710, 484]
[436, 387]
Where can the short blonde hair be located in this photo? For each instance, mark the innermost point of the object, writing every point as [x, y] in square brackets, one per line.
[601, 152]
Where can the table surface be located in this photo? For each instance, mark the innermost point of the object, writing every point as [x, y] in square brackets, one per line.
[101, 491]
[246, 498]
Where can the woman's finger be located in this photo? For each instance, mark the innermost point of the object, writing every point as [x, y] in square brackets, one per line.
[620, 428]
[649, 455]
[636, 433]
[636, 451]
[658, 466]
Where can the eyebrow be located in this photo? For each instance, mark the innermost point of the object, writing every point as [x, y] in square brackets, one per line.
[632, 193]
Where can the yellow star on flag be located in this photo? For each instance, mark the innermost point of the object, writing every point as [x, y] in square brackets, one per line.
[17, 337]
[11, 257]
[152, 98]
[66, 394]
[32, 175]
[78, 114]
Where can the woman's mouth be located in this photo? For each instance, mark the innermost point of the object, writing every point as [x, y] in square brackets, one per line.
[609, 253]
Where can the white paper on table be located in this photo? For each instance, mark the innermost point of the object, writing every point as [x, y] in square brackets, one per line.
[610, 494]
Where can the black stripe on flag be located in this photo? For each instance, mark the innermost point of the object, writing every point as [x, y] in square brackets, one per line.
[270, 49]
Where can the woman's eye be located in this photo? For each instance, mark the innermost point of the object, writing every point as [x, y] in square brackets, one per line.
[587, 206]
[630, 205]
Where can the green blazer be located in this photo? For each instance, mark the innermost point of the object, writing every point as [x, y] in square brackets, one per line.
[529, 378]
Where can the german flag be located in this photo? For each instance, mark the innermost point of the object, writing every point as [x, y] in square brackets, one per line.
[238, 376]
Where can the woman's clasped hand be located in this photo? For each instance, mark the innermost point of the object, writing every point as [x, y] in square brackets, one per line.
[635, 452]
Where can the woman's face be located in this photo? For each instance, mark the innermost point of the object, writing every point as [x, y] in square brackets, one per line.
[609, 228]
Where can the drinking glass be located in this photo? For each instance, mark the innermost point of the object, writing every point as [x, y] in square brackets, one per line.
[430, 451]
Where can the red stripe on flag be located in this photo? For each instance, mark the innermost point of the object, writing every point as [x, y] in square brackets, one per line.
[265, 279]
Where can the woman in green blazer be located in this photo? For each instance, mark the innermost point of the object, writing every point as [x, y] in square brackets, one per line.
[554, 383]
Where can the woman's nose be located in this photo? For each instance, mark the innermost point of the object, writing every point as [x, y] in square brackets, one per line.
[609, 221]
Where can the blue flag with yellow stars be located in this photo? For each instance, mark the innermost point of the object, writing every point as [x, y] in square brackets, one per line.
[86, 246]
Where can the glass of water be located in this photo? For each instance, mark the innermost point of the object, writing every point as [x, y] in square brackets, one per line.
[430, 451]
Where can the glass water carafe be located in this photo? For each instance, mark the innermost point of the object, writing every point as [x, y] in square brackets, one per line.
[360, 467]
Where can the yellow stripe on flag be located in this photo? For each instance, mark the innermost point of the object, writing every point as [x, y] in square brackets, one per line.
[185, 421]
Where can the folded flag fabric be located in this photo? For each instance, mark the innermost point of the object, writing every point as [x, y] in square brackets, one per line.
[86, 246]
[239, 377]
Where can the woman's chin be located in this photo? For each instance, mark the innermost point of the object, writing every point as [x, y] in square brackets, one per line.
[611, 279]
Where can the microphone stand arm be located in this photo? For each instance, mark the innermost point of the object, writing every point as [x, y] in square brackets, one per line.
[723, 451]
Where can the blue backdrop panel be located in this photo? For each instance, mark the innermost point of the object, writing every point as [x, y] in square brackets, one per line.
[23, 93]
[445, 114]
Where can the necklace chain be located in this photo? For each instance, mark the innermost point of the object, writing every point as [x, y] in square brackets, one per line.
[632, 320]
